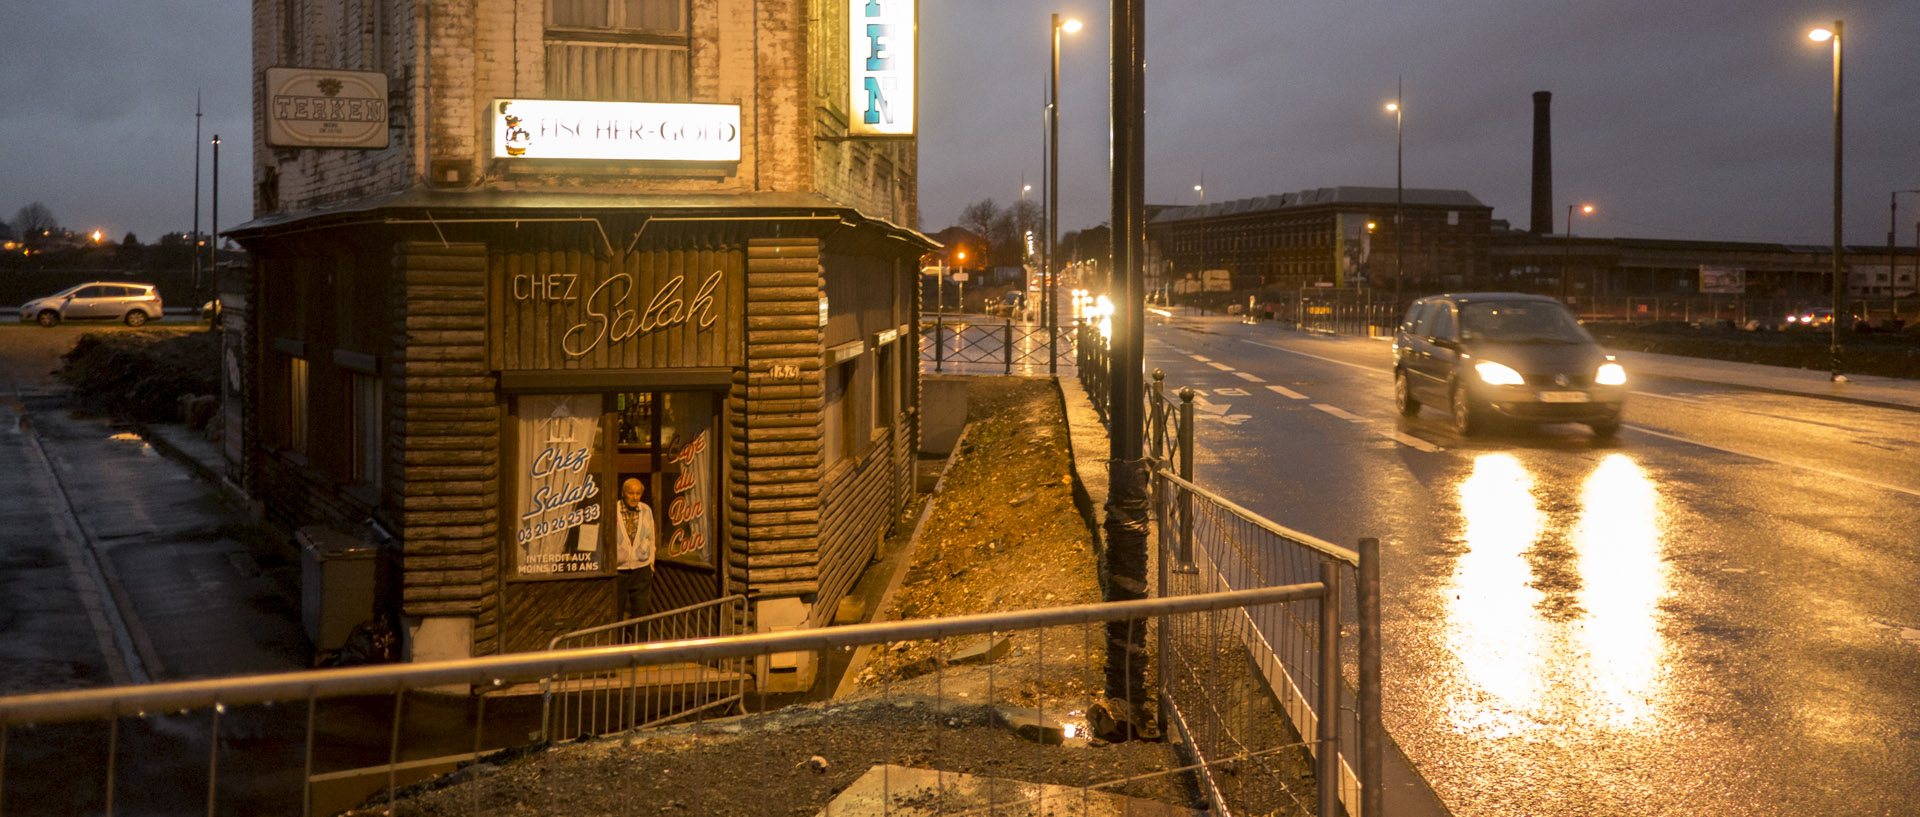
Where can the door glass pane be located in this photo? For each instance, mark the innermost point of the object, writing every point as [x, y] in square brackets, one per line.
[689, 478]
[557, 505]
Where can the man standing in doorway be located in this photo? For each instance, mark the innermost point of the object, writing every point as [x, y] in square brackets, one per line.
[636, 548]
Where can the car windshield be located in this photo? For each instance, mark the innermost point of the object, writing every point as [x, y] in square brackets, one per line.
[1520, 322]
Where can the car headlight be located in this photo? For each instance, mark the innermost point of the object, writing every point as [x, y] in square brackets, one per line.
[1610, 374]
[1498, 374]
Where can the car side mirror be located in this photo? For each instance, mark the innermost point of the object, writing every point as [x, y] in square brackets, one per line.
[1447, 343]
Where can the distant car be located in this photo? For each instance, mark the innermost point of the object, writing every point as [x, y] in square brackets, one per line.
[99, 300]
[1508, 355]
[1816, 316]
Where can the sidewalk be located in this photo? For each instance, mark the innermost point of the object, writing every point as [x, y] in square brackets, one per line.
[1891, 392]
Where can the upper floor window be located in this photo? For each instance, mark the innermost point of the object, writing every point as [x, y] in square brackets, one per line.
[617, 50]
[655, 16]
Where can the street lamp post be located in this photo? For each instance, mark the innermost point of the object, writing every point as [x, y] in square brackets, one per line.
[1053, 190]
[1566, 248]
[213, 229]
[1893, 271]
[1839, 277]
[1399, 185]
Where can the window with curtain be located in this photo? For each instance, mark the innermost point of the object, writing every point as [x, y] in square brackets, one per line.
[617, 50]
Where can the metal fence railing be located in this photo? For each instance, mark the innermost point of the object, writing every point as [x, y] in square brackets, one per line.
[1290, 651]
[266, 740]
[604, 702]
[974, 344]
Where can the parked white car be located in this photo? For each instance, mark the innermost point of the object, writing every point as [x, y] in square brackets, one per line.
[98, 300]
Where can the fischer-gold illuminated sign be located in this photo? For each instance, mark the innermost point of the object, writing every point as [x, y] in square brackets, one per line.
[881, 67]
[620, 131]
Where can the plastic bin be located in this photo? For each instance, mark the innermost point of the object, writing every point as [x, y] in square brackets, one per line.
[336, 583]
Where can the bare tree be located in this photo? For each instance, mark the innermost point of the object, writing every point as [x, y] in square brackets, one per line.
[978, 218]
[34, 218]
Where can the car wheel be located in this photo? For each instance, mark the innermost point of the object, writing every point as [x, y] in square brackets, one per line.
[49, 318]
[1605, 429]
[136, 318]
[1466, 420]
[1403, 394]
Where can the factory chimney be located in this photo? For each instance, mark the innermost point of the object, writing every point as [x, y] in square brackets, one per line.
[1542, 163]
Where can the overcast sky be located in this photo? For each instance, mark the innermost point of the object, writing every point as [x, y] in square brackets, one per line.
[1704, 119]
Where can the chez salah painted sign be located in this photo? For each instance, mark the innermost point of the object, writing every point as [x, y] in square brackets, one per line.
[592, 316]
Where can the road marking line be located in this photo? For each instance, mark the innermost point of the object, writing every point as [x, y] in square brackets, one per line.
[1669, 397]
[1411, 441]
[1826, 472]
[1340, 413]
[1250, 377]
[1315, 357]
[1199, 358]
[1286, 392]
[1221, 366]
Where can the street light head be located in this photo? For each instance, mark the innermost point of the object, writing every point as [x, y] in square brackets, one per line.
[1393, 107]
[1820, 35]
[1370, 226]
[1070, 26]
[1586, 208]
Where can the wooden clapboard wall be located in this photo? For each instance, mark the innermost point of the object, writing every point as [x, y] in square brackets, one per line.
[774, 410]
[443, 468]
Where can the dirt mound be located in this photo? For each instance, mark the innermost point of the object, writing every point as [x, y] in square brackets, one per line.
[142, 375]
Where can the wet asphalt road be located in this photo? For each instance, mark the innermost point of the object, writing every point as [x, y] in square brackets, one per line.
[1714, 614]
[118, 566]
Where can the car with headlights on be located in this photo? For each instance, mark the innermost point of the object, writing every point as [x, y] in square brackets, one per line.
[1504, 356]
[98, 300]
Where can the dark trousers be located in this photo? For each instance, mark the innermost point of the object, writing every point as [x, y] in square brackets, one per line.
[636, 591]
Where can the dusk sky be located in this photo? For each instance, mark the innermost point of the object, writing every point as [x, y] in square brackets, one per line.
[1708, 119]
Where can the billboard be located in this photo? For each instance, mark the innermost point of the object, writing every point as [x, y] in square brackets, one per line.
[1722, 280]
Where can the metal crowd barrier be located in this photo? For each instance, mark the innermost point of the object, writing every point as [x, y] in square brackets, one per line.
[973, 344]
[600, 703]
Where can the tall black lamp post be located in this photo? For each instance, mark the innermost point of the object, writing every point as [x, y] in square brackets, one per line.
[1893, 268]
[1128, 508]
[1053, 191]
[1399, 186]
[1839, 274]
[213, 229]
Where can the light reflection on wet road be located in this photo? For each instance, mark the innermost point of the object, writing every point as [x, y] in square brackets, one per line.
[1705, 617]
[1548, 635]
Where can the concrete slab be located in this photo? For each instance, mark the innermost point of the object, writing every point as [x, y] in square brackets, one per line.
[900, 791]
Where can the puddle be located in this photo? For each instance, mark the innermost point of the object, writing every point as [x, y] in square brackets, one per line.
[146, 448]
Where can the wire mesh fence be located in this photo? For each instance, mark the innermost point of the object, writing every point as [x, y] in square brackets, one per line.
[1215, 664]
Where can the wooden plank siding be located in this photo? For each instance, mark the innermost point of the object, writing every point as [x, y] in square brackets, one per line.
[443, 468]
[774, 408]
[857, 510]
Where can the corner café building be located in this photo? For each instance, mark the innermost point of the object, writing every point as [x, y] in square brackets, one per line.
[520, 304]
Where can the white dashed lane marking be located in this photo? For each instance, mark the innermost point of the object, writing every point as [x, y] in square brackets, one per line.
[1411, 441]
[1286, 392]
[1250, 377]
[1340, 413]
[1221, 366]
